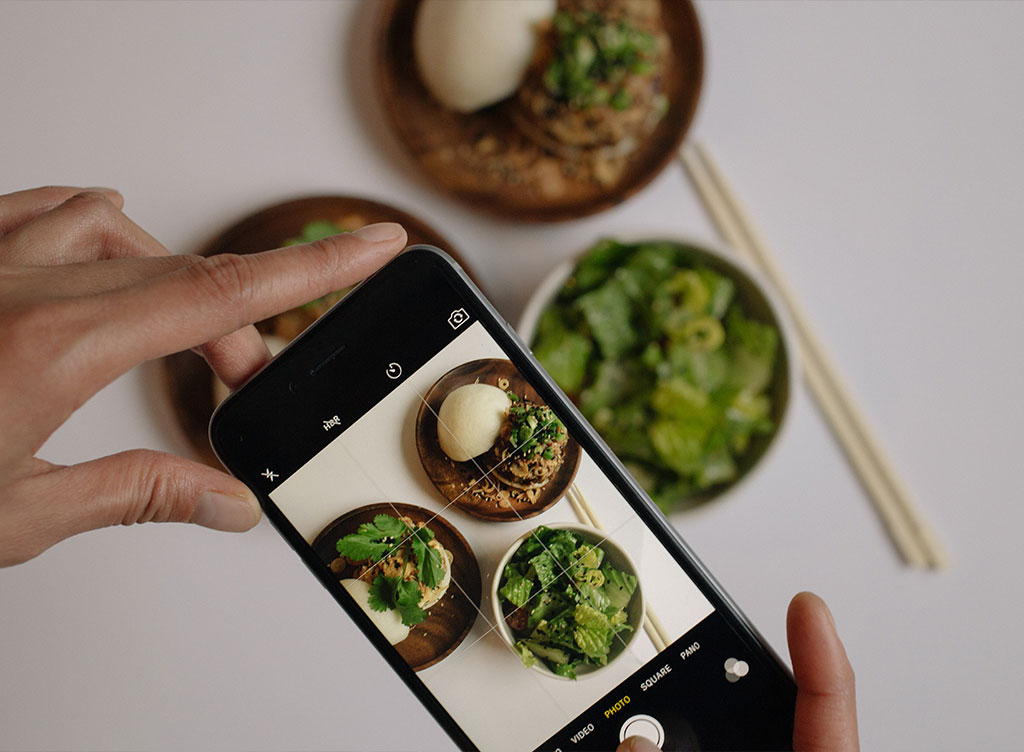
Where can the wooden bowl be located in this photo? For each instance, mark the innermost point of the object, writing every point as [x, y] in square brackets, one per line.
[189, 379]
[429, 131]
[453, 479]
[450, 619]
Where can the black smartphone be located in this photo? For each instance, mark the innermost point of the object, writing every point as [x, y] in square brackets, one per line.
[454, 502]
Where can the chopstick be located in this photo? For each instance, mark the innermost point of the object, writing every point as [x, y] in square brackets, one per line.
[585, 513]
[913, 537]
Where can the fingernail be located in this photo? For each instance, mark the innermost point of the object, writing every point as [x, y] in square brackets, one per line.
[222, 511]
[639, 744]
[381, 232]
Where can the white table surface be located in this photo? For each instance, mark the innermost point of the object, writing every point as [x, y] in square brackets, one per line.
[878, 146]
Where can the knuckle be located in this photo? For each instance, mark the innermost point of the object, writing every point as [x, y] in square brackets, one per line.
[323, 256]
[226, 276]
[156, 490]
[94, 204]
[94, 214]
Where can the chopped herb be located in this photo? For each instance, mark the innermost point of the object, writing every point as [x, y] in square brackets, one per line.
[593, 57]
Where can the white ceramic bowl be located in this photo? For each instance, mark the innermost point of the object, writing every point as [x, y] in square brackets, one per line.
[615, 556]
[759, 301]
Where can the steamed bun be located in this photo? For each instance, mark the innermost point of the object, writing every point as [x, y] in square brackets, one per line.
[473, 53]
[470, 419]
[388, 622]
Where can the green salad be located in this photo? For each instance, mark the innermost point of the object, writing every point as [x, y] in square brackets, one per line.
[564, 603]
[663, 361]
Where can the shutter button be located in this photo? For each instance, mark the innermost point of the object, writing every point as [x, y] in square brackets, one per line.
[645, 726]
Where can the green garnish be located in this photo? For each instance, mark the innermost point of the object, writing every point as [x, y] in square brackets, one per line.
[575, 602]
[387, 536]
[593, 59]
[534, 428]
[393, 594]
[664, 362]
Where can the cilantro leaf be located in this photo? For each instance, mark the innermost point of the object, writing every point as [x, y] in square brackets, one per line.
[429, 568]
[389, 526]
[374, 539]
[407, 603]
[359, 547]
[383, 593]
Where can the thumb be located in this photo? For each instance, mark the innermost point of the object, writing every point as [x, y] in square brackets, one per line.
[126, 488]
[826, 708]
[637, 744]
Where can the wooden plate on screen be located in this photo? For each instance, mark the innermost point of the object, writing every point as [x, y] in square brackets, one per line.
[189, 380]
[441, 142]
[450, 619]
[454, 479]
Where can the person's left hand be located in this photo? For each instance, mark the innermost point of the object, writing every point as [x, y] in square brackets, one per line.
[86, 295]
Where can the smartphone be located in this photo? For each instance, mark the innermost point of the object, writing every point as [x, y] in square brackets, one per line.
[456, 504]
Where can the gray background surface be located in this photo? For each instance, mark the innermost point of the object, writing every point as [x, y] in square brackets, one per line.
[876, 144]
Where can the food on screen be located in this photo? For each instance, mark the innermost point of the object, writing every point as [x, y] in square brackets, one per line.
[570, 599]
[406, 566]
[524, 440]
[406, 570]
[490, 445]
[530, 447]
[470, 420]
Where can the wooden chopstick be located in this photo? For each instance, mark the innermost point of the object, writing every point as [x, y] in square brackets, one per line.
[585, 513]
[908, 529]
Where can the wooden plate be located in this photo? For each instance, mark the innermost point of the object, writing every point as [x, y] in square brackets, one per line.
[453, 478]
[450, 619]
[429, 131]
[188, 378]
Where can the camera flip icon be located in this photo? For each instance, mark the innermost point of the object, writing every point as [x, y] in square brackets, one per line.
[457, 318]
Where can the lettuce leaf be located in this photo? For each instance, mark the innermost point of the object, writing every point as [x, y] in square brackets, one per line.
[516, 589]
[618, 586]
[593, 633]
[544, 567]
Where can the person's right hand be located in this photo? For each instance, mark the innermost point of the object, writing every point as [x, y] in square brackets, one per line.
[826, 703]
[826, 708]
[86, 295]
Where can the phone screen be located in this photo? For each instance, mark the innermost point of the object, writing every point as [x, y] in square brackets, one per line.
[433, 478]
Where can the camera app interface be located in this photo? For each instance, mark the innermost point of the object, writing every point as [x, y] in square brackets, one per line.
[508, 572]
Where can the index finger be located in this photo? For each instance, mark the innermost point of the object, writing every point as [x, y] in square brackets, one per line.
[216, 296]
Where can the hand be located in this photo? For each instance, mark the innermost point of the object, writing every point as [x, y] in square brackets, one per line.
[86, 295]
[826, 709]
[826, 705]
